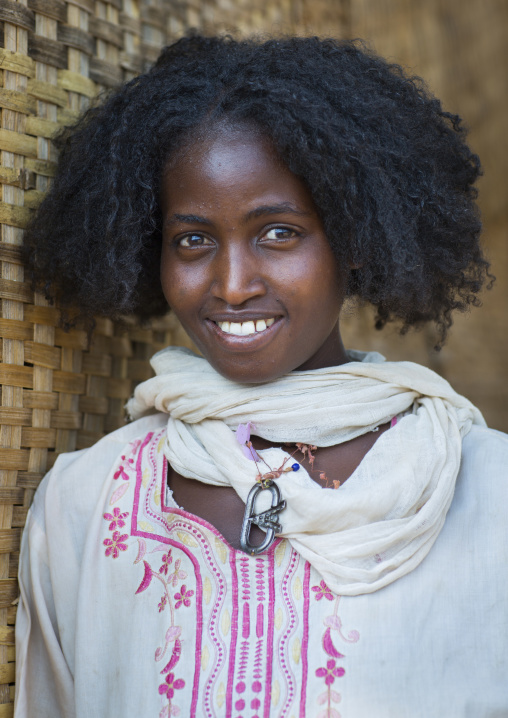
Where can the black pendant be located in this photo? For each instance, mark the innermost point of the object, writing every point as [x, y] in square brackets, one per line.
[267, 520]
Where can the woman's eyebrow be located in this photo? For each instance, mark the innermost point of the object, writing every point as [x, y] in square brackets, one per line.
[188, 218]
[282, 208]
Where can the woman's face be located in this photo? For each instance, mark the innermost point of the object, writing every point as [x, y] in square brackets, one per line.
[246, 266]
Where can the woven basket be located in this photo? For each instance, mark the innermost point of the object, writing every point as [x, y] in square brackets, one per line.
[57, 392]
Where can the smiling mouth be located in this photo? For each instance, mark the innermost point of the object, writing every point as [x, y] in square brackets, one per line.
[245, 328]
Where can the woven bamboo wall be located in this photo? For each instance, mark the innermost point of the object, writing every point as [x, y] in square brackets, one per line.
[57, 393]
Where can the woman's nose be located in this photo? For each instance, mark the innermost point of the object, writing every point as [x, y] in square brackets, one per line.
[237, 276]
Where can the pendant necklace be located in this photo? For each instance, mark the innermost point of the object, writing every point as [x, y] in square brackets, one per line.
[268, 520]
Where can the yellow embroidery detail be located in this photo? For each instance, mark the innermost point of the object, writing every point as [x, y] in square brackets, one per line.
[221, 549]
[278, 619]
[297, 588]
[226, 622]
[275, 692]
[186, 539]
[279, 552]
[297, 650]
[207, 590]
[146, 526]
[221, 695]
[205, 657]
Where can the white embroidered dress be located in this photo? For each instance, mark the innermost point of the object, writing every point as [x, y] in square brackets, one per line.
[132, 607]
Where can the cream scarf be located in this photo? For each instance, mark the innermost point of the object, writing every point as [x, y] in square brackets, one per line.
[384, 520]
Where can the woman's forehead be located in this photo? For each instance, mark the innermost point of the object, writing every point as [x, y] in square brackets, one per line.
[237, 163]
[218, 131]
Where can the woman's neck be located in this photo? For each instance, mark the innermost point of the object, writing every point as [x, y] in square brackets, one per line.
[331, 353]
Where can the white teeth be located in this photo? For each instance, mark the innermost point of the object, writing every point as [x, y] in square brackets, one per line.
[235, 328]
[248, 328]
[245, 328]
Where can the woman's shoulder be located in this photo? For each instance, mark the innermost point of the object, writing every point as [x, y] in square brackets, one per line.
[77, 479]
[482, 483]
[486, 448]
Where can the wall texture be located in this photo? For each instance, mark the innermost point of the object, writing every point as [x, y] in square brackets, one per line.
[461, 50]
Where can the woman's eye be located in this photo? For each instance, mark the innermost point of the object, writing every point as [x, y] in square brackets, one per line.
[280, 233]
[189, 241]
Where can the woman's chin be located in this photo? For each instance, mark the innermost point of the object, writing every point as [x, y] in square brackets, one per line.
[245, 373]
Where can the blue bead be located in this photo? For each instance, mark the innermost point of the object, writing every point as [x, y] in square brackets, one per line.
[295, 467]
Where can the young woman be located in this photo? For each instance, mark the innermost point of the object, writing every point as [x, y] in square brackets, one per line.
[288, 528]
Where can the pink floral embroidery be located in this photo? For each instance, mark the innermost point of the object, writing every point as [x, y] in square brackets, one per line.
[330, 672]
[167, 560]
[177, 575]
[116, 518]
[172, 636]
[127, 462]
[170, 685]
[121, 471]
[322, 590]
[115, 544]
[333, 625]
[171, 648]
[184, 596]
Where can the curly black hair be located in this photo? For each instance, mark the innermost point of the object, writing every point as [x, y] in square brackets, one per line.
[388, 169]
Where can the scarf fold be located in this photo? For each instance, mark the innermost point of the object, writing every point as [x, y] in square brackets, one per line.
[384, 520]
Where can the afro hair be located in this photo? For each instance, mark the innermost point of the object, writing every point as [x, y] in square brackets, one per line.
[388, 169]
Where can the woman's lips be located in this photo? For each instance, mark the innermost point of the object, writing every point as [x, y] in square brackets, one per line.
[247, 327]
[252, 336]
